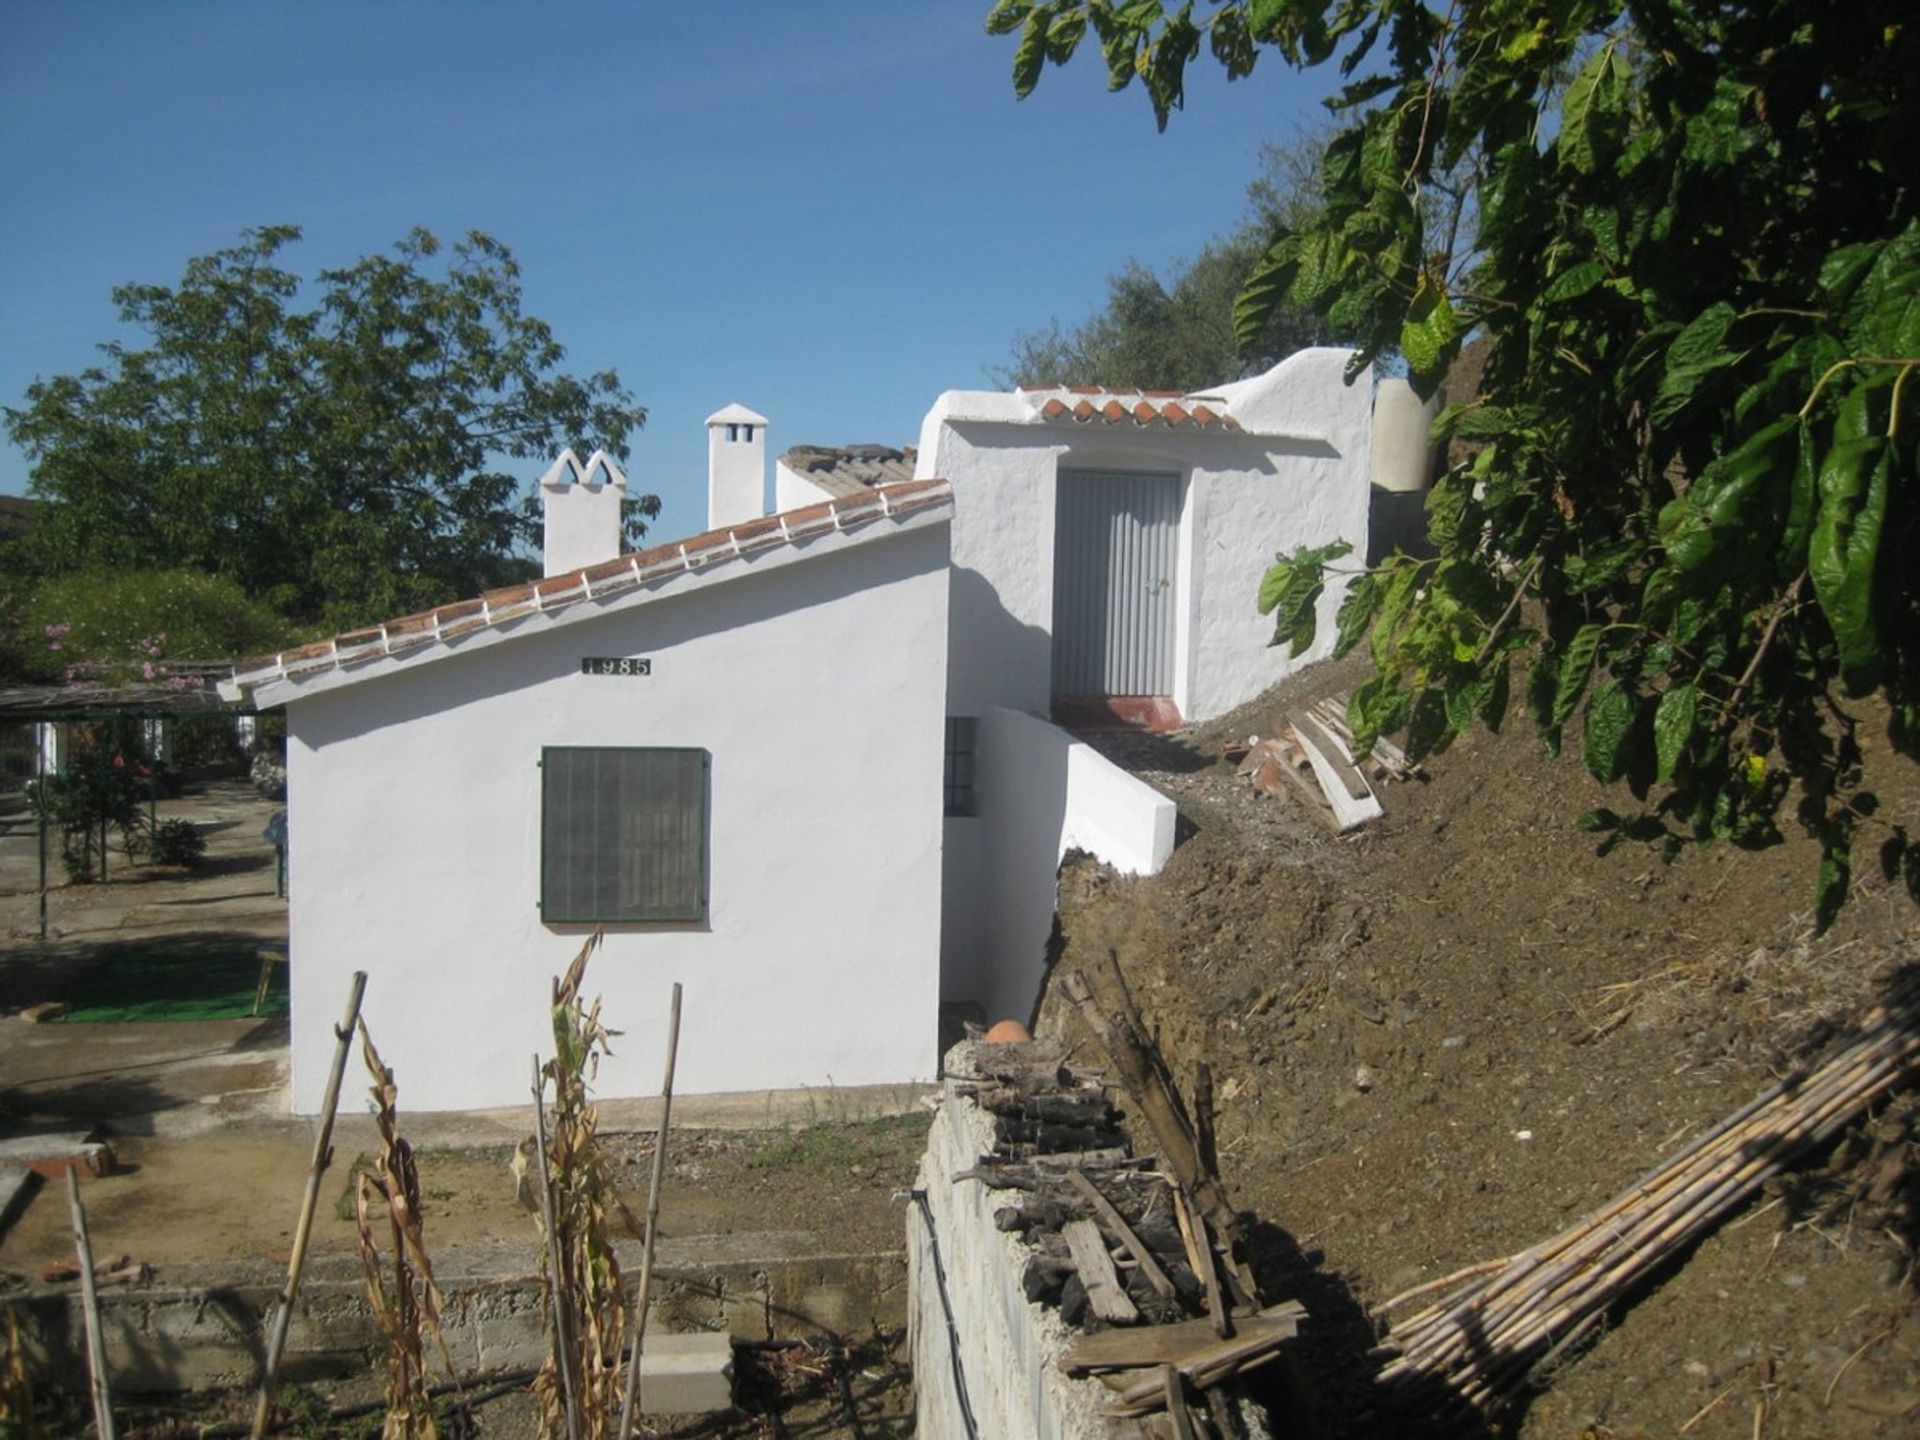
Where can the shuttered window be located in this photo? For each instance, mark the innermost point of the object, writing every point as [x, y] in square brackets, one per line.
[623, 835]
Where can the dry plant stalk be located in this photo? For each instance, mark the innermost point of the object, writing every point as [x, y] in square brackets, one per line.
[16, 1388]
[585, 1204]
[400, 1285]
[1469, 1350]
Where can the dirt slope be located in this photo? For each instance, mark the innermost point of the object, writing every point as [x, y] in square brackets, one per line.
[1448, 1037]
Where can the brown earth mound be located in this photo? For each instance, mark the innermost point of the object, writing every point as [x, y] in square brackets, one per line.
[1445, 1038]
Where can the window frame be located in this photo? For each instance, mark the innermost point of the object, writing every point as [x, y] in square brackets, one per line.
[695, 914]
[960, 798]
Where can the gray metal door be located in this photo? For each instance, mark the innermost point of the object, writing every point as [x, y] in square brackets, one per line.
[1113, 595]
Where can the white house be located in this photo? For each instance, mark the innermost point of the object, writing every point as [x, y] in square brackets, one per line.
[726, 751]
[801, 763]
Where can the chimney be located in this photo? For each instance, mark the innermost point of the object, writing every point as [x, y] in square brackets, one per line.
[736, 466]
[582, 504]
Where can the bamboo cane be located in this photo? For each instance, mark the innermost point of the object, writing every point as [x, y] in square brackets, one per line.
[562, 1330]
[1477, 1338]
[1837, 1094]
[627, 1407]
[90, 1300]
[309, 1204]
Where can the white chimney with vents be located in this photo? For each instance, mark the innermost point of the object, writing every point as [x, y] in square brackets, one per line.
[582, 504]
[736, 466]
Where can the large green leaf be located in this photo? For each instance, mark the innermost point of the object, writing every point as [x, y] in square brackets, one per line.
[1427, 337]
[1698, 352]
[1843, 552]
[1265, 288]
[1593, 114]
[1884, 316]
[1576, 664]
[1673, 728]
[1030, 55]
[1607, 741]
[1574, 281]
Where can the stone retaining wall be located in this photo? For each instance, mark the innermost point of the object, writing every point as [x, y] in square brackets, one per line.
[1008, 1349]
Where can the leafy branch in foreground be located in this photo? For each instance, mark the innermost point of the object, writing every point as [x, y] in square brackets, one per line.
[1688, 526]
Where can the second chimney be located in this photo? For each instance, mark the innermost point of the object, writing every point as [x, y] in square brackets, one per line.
[736, 466]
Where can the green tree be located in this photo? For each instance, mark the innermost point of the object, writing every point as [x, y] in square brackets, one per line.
[1692, 517]
[335, 448]
[134, 621]
[1165, 337]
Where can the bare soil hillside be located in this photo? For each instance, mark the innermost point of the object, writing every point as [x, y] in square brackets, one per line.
[1447, 1037]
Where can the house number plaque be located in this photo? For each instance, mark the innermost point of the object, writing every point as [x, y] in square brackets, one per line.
[614, 665]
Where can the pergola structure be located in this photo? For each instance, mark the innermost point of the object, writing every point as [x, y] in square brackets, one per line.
[190, 688]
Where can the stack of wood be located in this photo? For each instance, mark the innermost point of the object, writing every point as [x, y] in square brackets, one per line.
[1494, 1322]
[1132, 1248]
[1312, 753]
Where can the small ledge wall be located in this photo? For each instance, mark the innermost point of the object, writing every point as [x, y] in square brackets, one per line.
[1041, 793]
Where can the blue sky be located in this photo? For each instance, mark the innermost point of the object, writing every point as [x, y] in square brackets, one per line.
[827, 212]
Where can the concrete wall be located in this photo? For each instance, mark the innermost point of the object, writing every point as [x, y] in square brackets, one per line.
[1008, 1348]
[209, 1330]
[1042, 793]
[1296, 476]
[816, 685]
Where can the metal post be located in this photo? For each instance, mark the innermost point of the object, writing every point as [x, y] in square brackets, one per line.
[43, 857]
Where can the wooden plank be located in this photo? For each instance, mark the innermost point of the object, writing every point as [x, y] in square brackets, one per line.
[1135, 1246]
[1090, 1258]
[1174, 1395]
[1193, 1229]
[1347, 793]
[1188, 1342]
[1144, 1075]
[1202, 1370]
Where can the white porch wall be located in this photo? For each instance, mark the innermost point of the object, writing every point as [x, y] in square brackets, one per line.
[415, 846]
[1042, 793]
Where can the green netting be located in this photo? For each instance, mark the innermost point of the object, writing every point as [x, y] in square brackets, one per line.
[197, 982]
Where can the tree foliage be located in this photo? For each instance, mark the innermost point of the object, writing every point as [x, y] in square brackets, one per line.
[1690, 527]
[333, 447]
[1175, 335]
[135, 620]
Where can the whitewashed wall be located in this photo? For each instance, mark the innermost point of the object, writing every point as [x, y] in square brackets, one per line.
[1298, 476]
[816, 683]
[1043, 793]
[792, 490]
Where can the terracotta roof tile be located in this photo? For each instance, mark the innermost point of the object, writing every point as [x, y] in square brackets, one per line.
[425, 630]
[1084, 404]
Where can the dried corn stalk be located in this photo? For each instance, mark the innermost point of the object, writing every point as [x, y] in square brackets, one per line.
[16, 1388]
[585, 1205]
[400, 1284]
